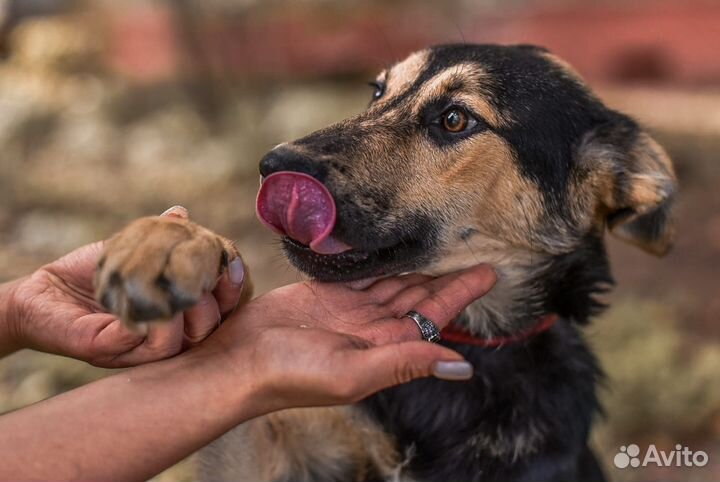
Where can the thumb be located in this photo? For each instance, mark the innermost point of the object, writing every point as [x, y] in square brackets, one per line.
[398, 363]
[77, 268]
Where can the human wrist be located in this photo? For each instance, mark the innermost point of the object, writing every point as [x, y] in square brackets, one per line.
[239, 391]
[10, 318]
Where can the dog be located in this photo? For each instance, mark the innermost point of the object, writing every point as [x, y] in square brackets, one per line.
[465, 154]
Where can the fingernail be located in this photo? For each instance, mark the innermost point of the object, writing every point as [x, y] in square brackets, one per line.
[452, 370]
[177, 210]
[236, 271]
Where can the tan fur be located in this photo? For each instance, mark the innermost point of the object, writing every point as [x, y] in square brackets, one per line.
[655, 168]
[470, 76]
[512, 266]
[489, 174]
[504, 213]
[299, 443]
[648, 185]
[184, 254]
[403, 74]
[493, 214]
[499, 201]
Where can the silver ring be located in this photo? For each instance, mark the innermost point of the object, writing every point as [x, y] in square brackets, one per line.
[428, 330]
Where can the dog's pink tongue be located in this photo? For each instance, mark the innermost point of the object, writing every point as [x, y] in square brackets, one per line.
[299, 206]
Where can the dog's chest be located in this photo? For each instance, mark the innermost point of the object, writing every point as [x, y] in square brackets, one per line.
[429, 430]
[513, 410]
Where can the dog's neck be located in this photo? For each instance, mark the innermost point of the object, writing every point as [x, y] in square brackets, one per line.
[530, 284]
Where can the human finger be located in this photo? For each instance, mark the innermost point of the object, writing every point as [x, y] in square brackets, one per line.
[387, 288]
[443, 298]
[393, 364]
[201, 319]
[230, 286]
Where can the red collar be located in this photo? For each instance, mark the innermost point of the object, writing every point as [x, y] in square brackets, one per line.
[458, 334]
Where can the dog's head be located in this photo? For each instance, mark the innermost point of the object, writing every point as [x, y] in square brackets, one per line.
[467, 154]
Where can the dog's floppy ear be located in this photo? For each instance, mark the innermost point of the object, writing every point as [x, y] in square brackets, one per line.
[633, 179]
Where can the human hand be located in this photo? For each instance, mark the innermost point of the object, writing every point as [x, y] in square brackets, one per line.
[315, 343]
[55, 311]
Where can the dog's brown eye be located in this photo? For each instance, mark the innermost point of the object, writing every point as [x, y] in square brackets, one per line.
[455, 120]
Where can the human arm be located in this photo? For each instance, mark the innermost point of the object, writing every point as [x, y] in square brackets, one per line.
[305, 344]
[9, 339]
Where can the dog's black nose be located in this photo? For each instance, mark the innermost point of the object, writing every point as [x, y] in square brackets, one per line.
[287, 159]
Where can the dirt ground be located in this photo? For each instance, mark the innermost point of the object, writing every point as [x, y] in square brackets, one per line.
[84, 154]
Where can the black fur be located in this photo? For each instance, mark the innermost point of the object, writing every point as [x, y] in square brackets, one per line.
[412, 249]
[527, 413]
[543, 388]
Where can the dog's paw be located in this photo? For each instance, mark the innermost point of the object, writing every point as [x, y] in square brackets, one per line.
[159, 266]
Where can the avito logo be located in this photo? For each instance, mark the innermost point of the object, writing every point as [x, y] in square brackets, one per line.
[629, 456]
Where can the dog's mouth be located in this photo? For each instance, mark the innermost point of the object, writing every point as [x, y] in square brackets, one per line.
[302, 210]
[357, 264]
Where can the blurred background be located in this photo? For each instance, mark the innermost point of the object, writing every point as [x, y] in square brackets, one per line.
[113, 110]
